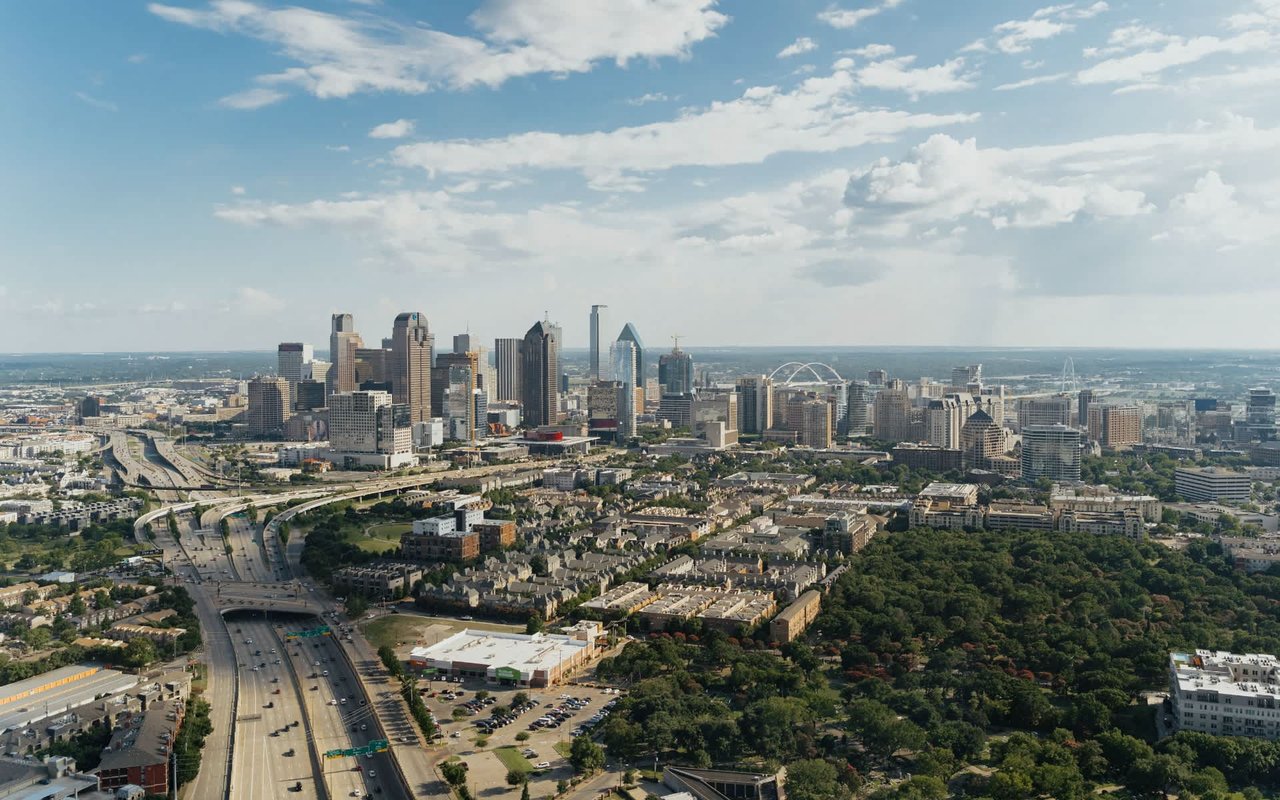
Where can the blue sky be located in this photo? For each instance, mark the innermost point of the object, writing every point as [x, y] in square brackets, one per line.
[216, 175]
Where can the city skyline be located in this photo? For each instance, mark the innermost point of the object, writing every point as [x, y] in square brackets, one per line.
[867, 173]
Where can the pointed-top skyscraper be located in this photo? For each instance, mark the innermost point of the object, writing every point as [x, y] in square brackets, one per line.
[629, 334]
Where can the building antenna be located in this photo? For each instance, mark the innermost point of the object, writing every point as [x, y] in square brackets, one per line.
[675, 346]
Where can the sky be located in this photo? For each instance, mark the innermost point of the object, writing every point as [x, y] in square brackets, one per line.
[225, 174]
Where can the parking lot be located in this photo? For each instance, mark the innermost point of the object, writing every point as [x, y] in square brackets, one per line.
[565, 711]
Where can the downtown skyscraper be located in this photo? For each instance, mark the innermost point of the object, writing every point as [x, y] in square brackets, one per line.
[630, 334]
[409, 364]
[540, 374]
[599, 314]
[343, 343]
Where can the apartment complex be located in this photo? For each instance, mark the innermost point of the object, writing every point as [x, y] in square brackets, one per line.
[1226, 694]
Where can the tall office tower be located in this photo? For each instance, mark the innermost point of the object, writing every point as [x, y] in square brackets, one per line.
[981, 440]
[603, 398]
[481, 414]
[453, 388]
[1051, 452]
[675, 371]
[1115, 425]
[1260, 415]
[718, 410]
[877, 377]
[371, 369]
[464, 343]
[309, 395]
[317, 370]
[838, 397]
[540, 375]
[506, 354]
[622, 361]
[991, 400]
[343, 343]
[1054, 410]
[1083, 400]
[409, 364]
[269, 400]
[293, 360]
[458, 402]
[858, 404]
[755, 404]
[964, 375]
[599, 321]
[630, 334]
[676, 409]
[892, 413]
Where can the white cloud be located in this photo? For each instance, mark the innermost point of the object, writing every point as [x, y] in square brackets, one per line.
[237, 190]
[1168, 52]
[649, 97]
[338, 56]
[844, 19]
[392, 130]
[137, 58]
[252, 99]
[256, 301]
[897, 75]
[817, 116]
[1034, 81]
[1020, 35]
[1210, 212]
[870, 51]
[799, 47]
[338, 148]
[88, 99]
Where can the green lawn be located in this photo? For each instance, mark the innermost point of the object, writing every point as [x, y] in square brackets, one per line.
[513, 761]
[563, 748]
[380, 537]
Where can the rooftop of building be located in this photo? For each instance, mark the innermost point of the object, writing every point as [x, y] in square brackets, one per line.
[539, 651]
[31, 700]
[1236, 675]
[145, 741]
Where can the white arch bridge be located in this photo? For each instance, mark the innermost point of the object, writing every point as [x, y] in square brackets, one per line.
[812, 367]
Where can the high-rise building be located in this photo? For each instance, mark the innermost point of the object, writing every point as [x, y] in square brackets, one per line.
[506, 353]
[1084, 399]
[755, 404]
[540, 375]
[859, 402]
[811, 418]
[268, 406]
[981, 440]
[309, 395]
[964, 375]
[343, 343]
[710, 408]
[409, 364]
[603, 398]
[599, 320]
[675, 371]
[630, 334]
[293, 360]
[622, 360]
[1053, 410]
[892, 412]
[368, 428]
[1051, 452]
[1112, 425]
[677, 409]
[877, 377]
[453, 387]
[371, 368]
[1260, 415]
[464, 343]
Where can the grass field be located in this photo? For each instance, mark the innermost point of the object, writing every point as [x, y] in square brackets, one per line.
[563, 748]
[380, 537]
[513, 761]
[392, 629]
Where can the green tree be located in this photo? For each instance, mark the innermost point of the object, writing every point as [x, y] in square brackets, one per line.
[454, 773]
[534, 625]
[814, 779]
[585, 755]
[139, 652]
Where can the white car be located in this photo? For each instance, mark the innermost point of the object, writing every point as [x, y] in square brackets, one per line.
[542, 765]
[373, 773]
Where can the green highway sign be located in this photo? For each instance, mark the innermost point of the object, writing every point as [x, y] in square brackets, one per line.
[323, 630]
